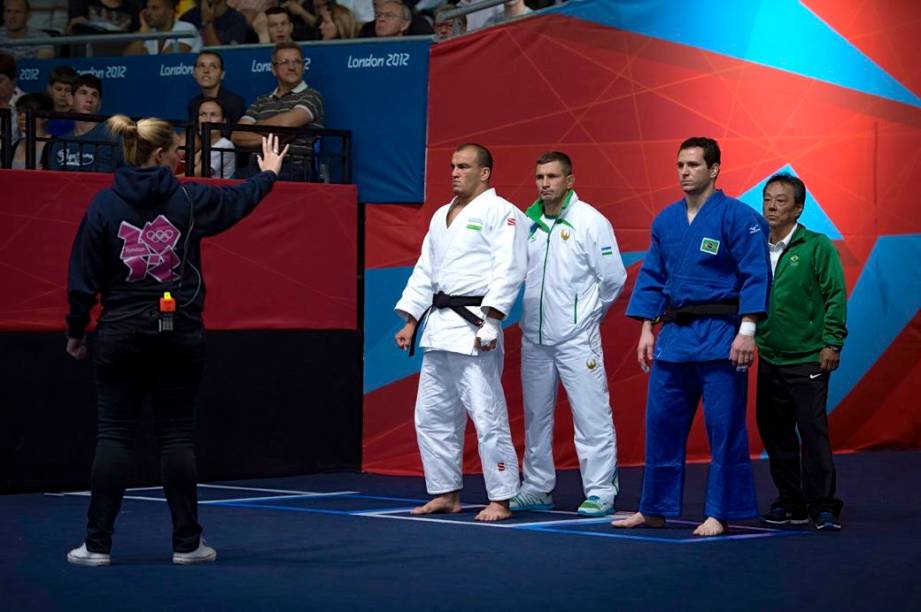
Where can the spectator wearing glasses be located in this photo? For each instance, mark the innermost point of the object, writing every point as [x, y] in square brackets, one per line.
[393, 19]
[394, 14]
[444, 26]
[291, 104]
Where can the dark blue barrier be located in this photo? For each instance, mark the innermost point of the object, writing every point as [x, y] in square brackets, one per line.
[378, 90]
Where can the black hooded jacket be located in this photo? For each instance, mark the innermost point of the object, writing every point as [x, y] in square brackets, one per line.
[131, 242]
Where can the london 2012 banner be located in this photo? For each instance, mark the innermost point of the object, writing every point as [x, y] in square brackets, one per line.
[375, 88]
[828, 90]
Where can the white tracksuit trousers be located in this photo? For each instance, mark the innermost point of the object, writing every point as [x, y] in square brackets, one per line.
[579, 363]
[451, 386]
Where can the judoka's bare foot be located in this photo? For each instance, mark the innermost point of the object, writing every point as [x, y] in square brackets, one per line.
[447, 503]
[495, 511]
[639, 520]
[711, 527]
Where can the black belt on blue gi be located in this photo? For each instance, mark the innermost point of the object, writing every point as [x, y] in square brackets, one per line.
[456, 303]
[687, 313]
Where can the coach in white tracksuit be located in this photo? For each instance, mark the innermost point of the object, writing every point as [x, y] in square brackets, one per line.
[575, 273]
[475, 247]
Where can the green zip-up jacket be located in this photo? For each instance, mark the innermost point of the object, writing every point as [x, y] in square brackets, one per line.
[808, 302]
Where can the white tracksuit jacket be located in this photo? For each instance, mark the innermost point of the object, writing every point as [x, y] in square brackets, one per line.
[575, 273]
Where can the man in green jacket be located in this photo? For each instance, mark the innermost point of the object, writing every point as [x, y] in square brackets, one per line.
[800, 345]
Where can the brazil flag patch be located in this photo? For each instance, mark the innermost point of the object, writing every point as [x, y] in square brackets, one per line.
[710, 245]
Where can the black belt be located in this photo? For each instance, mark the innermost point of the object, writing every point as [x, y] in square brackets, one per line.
[685, 314]
[456, 303]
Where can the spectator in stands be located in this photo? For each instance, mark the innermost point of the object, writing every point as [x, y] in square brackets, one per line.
[160, 16]
[223, 159]
[103, 16]
[510, 10]
[393, 19]
[304, 19]
[49, 15]
[292, 104]
[274, 25]
[208, 73]
[218, 23]
[16, 15]
[32, 102]
[90, 147]
[478, 19]
[9, 92]
[418, 25]
[60, 88]
[336, 21]
[444, 27]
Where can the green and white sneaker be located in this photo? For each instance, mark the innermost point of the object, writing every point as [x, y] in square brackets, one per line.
[531, 501]
[595, 506]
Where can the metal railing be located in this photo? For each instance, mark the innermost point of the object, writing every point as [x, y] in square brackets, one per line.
[6, 137]
[325, 155]
[89, 39]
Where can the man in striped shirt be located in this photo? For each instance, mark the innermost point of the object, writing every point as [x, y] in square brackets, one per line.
[292, 104]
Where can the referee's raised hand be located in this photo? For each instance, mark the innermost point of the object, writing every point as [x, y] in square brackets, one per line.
[271, 159]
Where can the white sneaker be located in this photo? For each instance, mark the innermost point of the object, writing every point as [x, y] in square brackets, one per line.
[81, 556]
[202, 554]
[531, 501]
[594, 506]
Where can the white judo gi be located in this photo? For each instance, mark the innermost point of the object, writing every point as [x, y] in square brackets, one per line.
[575, 273]
[482, 253]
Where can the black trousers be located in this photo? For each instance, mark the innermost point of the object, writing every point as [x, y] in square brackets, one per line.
[132, 366]
[790, 399]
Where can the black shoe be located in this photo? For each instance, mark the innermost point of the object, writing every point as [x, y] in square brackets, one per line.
[779, 515]
[826, 521]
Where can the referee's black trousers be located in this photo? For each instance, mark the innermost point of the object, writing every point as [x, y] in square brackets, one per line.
[132, 366]
[793, 398]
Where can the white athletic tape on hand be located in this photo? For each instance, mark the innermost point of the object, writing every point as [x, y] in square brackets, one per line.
[489, 332]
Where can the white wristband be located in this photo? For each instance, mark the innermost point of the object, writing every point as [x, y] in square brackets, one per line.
[747, 328]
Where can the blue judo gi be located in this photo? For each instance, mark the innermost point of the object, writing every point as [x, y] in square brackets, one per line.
[722, 255]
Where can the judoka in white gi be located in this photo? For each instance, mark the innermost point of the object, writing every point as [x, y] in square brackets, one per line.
[707, 278]
[476, 247]
[575, 273]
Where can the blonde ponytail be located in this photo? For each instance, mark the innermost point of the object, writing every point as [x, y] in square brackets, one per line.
[140, 140]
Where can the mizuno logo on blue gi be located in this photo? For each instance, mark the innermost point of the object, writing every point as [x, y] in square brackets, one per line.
[710, 245]
[754, 229]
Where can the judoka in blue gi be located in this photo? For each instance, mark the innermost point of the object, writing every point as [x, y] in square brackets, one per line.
[706, 278]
